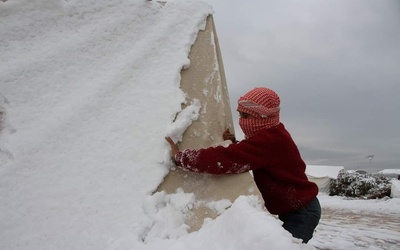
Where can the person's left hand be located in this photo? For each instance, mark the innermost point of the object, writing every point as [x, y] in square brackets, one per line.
[174, 147]
[227, 135]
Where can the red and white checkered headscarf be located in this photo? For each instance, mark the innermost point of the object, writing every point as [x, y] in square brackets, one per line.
[263, 105]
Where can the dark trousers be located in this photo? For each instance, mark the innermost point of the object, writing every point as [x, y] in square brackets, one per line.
[301, 223]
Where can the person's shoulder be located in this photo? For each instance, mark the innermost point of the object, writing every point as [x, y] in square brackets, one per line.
[274, 134]
[280, 126]
[273, 130]
[279, 129]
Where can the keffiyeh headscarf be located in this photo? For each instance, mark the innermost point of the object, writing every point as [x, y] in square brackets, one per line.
[263, 105]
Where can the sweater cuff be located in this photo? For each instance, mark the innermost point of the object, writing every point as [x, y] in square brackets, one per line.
[177, 158]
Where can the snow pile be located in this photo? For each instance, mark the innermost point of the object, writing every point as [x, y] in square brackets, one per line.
[243, 226]
[220, 206]
[166, 214]
[88, 91]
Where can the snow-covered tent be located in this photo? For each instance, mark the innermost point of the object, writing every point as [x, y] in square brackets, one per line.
[395, 173]
[395, 190]
[322, 175]
[91, 89]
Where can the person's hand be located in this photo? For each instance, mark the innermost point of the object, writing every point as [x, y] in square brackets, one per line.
[174, 147]
[227, 135]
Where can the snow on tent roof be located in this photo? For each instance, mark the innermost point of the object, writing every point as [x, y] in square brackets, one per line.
[389, 171]
[90, 89]
[323, 171]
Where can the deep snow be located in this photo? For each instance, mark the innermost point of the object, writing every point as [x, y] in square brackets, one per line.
[89, 90]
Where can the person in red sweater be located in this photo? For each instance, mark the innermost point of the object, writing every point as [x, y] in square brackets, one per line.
[270, 152]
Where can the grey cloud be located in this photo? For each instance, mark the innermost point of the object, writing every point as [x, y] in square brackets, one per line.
[334, 63]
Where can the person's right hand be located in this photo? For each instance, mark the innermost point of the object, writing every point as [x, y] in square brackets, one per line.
[227, 135]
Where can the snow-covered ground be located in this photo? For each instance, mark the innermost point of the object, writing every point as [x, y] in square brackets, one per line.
[89, 90]
[358, 224]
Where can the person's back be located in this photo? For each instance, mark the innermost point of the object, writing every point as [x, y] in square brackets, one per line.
[281, 180]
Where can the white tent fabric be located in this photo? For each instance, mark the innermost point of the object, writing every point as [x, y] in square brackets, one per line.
[395, 191]
[323, 183]
[322, 175]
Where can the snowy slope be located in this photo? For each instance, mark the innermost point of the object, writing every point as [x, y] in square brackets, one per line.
[90, 89]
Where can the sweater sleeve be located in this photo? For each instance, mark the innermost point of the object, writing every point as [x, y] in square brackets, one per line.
[210, 160]
[247, 155]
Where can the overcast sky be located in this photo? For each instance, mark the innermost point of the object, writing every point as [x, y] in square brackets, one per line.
[335, 65]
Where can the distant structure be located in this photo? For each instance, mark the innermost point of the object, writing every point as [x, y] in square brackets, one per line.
[370, 157]
[323, 175]
[391, 173]
[395, 189]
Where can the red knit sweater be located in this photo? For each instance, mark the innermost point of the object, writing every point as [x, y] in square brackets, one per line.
[274, 159]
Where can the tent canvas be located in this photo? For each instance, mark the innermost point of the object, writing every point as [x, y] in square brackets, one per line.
[322, 175]
[395, 189]
[204, 82]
